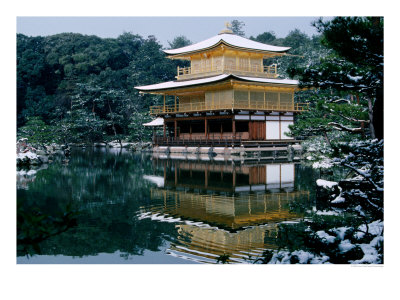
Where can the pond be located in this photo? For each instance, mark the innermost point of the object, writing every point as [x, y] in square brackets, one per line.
[112, 206]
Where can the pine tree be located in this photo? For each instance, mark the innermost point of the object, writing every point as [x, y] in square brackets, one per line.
[355, 67]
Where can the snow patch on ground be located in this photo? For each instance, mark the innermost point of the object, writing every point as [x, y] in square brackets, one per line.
[28, 154]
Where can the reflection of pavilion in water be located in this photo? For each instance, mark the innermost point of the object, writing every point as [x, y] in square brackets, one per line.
[234, 199]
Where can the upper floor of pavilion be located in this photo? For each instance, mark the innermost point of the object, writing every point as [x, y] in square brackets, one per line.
[226, 53]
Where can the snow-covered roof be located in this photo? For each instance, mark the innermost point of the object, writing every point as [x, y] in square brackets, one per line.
[232, 40]
[187, 83]
[155, 122]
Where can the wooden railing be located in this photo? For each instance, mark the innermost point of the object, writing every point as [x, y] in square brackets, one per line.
[196, 141]
[256, 70]
[243, 105]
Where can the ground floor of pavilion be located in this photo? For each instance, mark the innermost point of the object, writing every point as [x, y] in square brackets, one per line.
[225, 128]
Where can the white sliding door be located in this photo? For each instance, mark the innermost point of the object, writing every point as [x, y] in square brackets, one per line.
[272, 130]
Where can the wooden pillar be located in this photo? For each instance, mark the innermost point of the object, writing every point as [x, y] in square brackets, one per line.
[190, 129]
[164, 104]
[221, 130]
[205, 128]
[175, 125]
[251, 130]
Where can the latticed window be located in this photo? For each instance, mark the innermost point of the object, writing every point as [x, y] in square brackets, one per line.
[257, 99]
[219, 99]
[217, 63]
[196, 66]
[191, 102]
[241, 99]
[286, 100]
[272, 100]
[230, 63]
[208, 99]
[225, 98]
[206, 64]
[255, 64]
[243, 63]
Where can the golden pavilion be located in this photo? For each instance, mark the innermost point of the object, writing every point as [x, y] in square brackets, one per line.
[227, 97]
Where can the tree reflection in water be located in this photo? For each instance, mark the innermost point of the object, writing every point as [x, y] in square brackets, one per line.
[129, 203]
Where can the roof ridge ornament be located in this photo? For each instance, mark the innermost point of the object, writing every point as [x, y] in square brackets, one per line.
[228, 29]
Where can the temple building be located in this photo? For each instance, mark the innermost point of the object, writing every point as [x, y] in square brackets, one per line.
[227, 97]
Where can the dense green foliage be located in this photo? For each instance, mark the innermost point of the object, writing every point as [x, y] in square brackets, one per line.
[86, 83]
[304, 50]
[354, 67]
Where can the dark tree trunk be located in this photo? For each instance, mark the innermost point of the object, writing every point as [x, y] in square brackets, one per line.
[371, 117]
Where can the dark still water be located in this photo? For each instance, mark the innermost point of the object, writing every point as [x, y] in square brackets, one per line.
[108, 206]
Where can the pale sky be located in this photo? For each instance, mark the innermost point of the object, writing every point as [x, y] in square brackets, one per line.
[163, 28]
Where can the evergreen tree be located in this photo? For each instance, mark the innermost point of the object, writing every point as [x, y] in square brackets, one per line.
[237, 26]
[267, 37]
[356, 65]
[69, 79]
[179, 42]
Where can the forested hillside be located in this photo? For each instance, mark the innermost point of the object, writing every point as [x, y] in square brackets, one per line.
[78, 88]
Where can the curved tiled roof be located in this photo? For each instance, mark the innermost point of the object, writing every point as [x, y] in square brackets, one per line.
[232, 40]
[187, 83]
